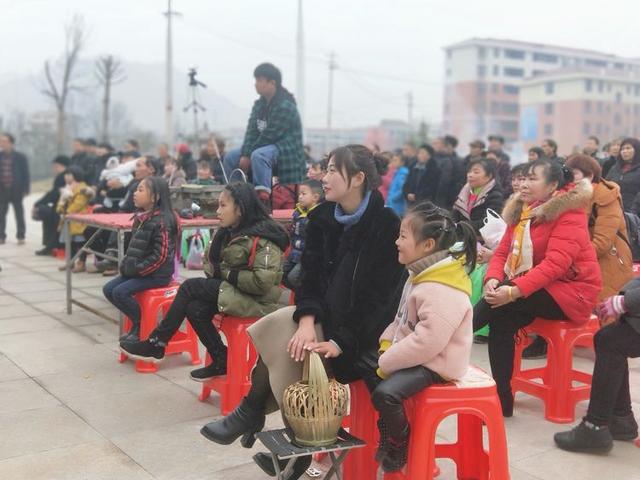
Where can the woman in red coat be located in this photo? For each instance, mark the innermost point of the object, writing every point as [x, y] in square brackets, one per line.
[545, 265]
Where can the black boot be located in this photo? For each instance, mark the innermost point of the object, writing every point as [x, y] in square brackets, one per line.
[46, 251]
[383, 443]
[245, 421]
[397, 452]
[623, 428]
[586, 437]
[538, 349]
[151, 350]
[133, 335]
[215, 369]
[211, 340]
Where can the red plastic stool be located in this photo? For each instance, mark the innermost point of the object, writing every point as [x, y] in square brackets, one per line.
[241, 357]
[152, 303]
[556, 388]
[362, 421]
[58, 253]
[475, 401]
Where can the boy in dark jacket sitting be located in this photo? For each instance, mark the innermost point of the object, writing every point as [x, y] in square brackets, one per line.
[149, 259]
[310, 194]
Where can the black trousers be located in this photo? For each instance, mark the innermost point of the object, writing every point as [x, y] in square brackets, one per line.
[504, 322]
[390, 393]
[610, 395]
[11, 197]
[50, 220]
[197, 300]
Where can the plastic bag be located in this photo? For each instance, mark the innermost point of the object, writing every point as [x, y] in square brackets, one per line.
[493, 229]
[196, 253]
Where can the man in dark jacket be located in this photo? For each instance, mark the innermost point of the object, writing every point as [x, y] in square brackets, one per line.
[273, 140]
[45, 208]
[14, 185]
[447, 193]
[609, 415]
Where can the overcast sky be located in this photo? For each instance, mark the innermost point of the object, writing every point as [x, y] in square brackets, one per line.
[225, 39]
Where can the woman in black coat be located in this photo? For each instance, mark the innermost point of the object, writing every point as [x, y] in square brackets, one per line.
[480, 193]
[349, 291]
[626, 172]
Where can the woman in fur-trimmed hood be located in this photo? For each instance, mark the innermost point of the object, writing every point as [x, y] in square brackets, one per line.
[545, 265]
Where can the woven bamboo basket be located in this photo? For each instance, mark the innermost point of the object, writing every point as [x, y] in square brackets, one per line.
[314, 406]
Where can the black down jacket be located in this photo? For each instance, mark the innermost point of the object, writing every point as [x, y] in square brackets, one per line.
[151, 249]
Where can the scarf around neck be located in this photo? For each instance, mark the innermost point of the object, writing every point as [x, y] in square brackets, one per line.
[349, 220]
[520, 258]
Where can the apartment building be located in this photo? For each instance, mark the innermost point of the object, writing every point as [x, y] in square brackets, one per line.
[570, 105]
[484, 77]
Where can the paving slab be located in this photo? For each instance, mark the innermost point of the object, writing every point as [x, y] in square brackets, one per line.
[42, 429]
[91, 461]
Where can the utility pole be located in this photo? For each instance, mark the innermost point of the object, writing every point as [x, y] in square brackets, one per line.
[300, 64]
[332, 67]
[168, 109]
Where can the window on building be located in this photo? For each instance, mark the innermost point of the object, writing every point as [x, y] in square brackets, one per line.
[600, 86]
[513, 72]
[495, 88]
[509, 126]
[482, 52]
[608, 108]
[510, 89]
[637, 90]
[586, 128]
[549, 88]
[449, 54]
[509, 108]
[496, 70]
[618, 66]
[548, 108]
[587, 106]
[628, 89]
[496, 52]
[627, 110]
[545, 57]
[618, 97]
[617, 120]
[495, 107]
[608, 87]
[481, 108]
[482, 70]
[599, 107]
[595, 63]
[535, 73]
[514, 54]
[481, 89]
[548, 129]
[588, 85]
[636, 109]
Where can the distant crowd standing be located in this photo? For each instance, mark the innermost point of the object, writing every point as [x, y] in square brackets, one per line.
[388, 256]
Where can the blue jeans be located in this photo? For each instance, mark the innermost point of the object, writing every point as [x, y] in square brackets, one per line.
[263, 161]
[120, 290]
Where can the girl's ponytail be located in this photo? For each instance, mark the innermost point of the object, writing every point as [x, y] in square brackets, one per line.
[468, 245]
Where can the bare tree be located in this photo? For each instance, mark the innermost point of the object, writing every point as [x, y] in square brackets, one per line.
[110, 72]
[58, 89]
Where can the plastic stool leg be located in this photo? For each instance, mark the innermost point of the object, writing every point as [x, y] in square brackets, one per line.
[360, 463]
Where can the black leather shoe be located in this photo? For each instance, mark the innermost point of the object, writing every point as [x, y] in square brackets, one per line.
[585, 438]
[243, 422]
[265, 462]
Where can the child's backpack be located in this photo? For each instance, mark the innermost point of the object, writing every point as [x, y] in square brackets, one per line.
[195, 260]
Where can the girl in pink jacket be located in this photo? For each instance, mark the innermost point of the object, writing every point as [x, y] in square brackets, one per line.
[429, 341]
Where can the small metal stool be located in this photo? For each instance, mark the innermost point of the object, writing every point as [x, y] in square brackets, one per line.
[282, 447]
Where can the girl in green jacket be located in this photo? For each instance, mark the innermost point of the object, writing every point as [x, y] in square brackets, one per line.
[243, 273]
